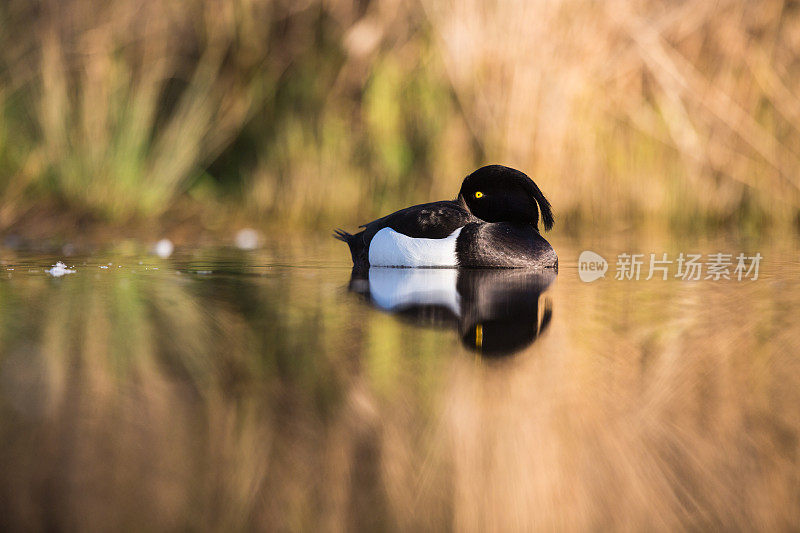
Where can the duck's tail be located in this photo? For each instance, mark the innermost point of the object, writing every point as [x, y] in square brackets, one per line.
[348, 238]
[342, 235]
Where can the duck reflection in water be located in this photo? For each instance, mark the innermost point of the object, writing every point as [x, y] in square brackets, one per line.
[496, 312]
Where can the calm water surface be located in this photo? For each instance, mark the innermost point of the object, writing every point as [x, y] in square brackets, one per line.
[230, 390]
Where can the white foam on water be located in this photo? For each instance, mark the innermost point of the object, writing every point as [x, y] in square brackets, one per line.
[59, 269]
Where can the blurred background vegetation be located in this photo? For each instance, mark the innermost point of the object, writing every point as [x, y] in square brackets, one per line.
[314, 113]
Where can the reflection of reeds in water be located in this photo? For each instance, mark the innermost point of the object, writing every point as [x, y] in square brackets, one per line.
[279, 401]
[669, 422]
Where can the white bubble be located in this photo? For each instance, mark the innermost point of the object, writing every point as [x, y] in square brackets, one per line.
[164, 248]
[247, 239]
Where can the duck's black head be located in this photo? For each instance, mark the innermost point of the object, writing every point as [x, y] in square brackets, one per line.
[496, 193]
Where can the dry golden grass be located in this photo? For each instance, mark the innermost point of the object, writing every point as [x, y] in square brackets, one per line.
[681, 109]
[306, 114]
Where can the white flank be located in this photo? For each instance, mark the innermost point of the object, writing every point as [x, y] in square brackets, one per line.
[393, 249]
[397, 288]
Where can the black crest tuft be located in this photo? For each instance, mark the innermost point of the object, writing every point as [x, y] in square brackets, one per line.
[544, 205]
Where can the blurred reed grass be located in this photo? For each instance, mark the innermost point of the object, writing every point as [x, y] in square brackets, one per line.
[314, 113]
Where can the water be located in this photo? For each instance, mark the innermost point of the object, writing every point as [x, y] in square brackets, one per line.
[223, 389]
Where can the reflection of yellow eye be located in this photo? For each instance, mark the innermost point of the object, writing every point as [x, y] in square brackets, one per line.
[478, 194]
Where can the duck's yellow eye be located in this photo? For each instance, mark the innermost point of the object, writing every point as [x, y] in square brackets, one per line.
[479, 194]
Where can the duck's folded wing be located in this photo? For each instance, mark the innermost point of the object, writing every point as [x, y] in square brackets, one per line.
[435, 220]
